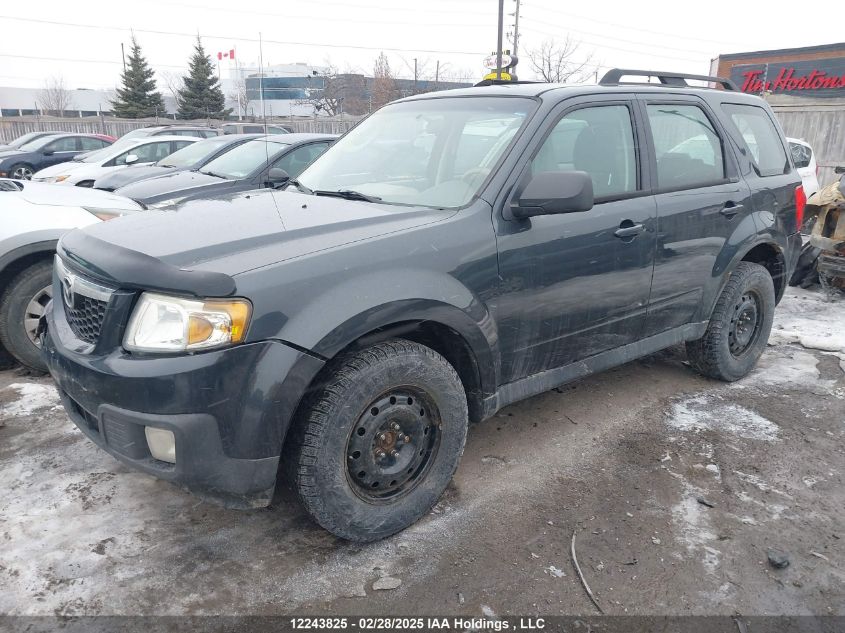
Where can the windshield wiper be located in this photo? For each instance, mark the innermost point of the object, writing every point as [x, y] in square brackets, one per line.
[348, 194]
[300, 186]
[213, 175]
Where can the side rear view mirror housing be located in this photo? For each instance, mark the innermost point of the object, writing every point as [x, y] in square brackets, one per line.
[552, 192]
[277, 176]
[48, 152]
[132, 158]
[839, 170]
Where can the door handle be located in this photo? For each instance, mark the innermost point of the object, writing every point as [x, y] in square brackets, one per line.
[731, 209]
[629, 231]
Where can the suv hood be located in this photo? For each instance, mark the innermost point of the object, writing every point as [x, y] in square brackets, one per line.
[131, 174]
[236, 233]
[176, 185]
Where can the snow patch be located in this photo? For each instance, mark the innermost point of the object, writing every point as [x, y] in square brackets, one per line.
[695, 531]
[804, 317]
[701, 413]
[32, 397]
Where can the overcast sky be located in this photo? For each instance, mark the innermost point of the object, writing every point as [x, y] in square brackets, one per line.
[80, 41]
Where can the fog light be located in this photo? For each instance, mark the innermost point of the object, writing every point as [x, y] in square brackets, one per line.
[162, 444]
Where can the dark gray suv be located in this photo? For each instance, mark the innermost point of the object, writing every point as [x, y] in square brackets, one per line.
[453, 253]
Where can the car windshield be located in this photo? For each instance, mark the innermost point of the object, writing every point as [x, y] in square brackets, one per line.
[27, 138]
[190, 156]
[432, 152]
[36, 144]
[244, 159]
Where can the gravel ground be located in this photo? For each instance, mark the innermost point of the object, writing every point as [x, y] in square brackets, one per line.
[676, 487]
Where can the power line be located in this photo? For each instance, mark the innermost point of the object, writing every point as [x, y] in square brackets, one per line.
[82, 61]
[624, 50]
[628, 27]
[619, 39]
[234, 39]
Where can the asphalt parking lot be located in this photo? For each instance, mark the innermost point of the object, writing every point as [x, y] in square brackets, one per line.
[676, 486]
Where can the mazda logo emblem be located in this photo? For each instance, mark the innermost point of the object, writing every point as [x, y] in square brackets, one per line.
[67, 290]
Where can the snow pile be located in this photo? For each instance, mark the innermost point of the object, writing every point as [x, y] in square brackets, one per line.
[33, 397]
[706, 413]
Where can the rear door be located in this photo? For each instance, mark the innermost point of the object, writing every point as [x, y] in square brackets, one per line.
[577, 284]
[701, 200]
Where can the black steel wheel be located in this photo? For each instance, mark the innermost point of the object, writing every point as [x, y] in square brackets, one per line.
[393, 444]
[739, 326]
[376, 445]
[746, 320]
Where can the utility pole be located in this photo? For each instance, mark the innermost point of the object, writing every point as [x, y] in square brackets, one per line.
[499, 40]
[437, 75]
[415, 75]
[516, 30]
[123, 57]
[261, 79]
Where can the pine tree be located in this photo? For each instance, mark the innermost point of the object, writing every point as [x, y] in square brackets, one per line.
[200, 96]
[138, 97]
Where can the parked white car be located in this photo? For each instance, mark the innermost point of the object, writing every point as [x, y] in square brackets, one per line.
[35, 216]
[805, 162]
[141, 151]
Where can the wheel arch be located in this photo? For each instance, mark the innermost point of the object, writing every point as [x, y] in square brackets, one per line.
[22, 257]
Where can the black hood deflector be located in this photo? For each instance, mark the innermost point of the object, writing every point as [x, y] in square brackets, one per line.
[116, 265]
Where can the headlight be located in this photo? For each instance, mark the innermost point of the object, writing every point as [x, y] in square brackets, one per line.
[59, 178]
[104, 214]
[161, 323]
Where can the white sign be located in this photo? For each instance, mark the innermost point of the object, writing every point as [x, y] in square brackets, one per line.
[490, 61]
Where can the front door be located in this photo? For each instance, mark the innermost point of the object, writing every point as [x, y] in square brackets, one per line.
[577, 284]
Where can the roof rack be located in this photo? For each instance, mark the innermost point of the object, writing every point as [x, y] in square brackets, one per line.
[612, 78]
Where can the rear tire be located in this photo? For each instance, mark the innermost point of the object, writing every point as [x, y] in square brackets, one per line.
[21, 304]
[739, 327]
[375, 446]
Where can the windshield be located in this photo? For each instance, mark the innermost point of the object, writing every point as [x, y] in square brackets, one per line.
[244, 159]
[35, 144]
[433, 152]
[27, 138]
[190, 156]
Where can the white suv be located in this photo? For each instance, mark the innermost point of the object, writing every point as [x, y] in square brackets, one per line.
[35, 216]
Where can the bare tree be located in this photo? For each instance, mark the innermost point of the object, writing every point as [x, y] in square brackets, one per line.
[384, 84]
[325, 93]
[560, 62]
[55, 97]
[173, 81]
[238, 94]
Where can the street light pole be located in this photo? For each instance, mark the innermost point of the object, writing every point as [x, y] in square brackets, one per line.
[516, 30]
[499, 40]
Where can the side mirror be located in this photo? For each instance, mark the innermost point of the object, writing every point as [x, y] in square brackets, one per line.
[132, 158]
[48, 152]
[277, 176]
[551, 192]
[839, 170]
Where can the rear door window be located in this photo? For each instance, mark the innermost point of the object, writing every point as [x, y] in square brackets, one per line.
[761, 138]
[687, 146]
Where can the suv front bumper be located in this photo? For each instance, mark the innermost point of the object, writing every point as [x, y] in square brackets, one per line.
[228, 409]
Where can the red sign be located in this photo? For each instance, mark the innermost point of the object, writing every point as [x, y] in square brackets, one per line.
[788, 80]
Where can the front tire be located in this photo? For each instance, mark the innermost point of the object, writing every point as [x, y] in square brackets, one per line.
[739, 327]
[21, 305]
[21, 171]
[375, 447]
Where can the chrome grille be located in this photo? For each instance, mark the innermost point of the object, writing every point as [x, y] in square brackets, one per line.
[85, 303]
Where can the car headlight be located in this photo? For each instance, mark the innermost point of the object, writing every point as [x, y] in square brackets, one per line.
[59, 178]
[104, 214]
[161, 323]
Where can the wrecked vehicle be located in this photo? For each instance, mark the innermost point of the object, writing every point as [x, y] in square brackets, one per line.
[453, 253]
[822, 259]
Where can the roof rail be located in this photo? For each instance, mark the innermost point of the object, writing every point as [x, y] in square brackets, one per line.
[613, 76]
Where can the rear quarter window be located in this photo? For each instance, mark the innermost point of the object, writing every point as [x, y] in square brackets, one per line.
[760, 138]
[801, 155]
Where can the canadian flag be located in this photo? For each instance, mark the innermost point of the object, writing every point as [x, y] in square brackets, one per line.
[230, 54]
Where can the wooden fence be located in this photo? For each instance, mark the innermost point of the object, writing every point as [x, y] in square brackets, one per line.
[12, 128]
[820, 122]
